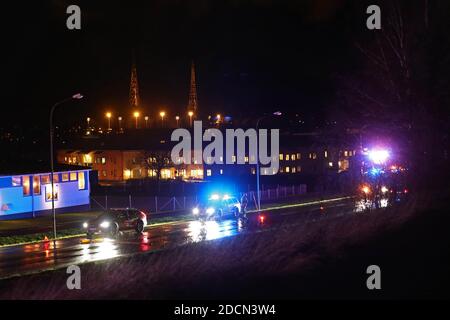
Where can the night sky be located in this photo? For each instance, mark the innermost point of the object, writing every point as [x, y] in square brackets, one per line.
[251, 56]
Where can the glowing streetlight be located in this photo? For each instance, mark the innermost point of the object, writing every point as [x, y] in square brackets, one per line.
[162, 114]
[146, 121]
[177, 118]
[365, 189]
[88, 128]
[190, 114]
[136, 115]
[109, 115]
[218, 117]
[120, 122]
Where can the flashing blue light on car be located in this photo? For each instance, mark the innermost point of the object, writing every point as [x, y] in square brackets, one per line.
[210, 210]
[375, 171]
[226, 197]
[195, 211]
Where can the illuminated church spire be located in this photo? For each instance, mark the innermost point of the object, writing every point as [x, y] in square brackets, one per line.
[134, 86]
[193, 102]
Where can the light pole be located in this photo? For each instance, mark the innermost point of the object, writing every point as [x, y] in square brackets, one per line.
[146, 121]
[190, 114]
[77, 96]
[120, 123]
[258, 192]
[162, 115]
[88, 128]
[177, 118]
[136, 116]
[108, 115]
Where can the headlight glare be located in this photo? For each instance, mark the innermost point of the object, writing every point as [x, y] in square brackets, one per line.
[104, 224]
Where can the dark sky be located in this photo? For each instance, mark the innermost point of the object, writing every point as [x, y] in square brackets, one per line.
[250, 55]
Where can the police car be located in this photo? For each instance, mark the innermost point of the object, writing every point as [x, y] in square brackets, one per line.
[217, 207]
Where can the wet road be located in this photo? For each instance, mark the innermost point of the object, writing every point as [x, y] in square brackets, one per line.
[33, 258]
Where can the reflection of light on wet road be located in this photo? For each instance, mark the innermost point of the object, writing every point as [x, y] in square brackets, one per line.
[106, 249]
[145, 243]
[363, 205]
[210, 230]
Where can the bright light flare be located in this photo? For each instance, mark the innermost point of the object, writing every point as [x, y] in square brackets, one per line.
[104, 224]
[384, 189]
[195, 211]
[261, 218]
[365, 189]
[378, 156]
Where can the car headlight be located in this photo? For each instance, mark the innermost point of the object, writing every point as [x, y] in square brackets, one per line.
[104, 224]
[210, 210]
[195, 211]
[85, 225]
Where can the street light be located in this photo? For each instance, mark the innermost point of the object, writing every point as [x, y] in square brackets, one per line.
[77, 96]
[162, 114]
[136, 116]
[218, 118]
[146, 121]
[120, 123]
[108, 115]
[177, 118]
[258, 192]
[88, 128]
[190, 114]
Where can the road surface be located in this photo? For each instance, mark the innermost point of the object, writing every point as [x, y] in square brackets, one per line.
[33, 258]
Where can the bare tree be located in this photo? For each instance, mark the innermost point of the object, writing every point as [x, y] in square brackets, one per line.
[402, 86]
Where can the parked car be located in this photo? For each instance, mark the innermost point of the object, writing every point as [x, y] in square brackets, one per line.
[113, 221]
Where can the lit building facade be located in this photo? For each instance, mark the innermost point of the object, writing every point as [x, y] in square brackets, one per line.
[28, 193]
[116, 166]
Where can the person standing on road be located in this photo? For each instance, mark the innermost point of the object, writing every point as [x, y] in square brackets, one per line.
[244, 203]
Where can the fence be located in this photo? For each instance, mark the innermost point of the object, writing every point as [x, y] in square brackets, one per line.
[158, 204]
